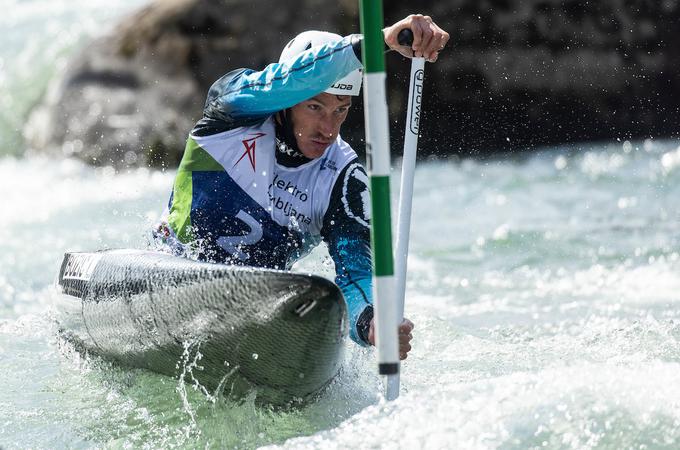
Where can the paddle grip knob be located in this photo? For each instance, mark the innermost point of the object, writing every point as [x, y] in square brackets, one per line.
[405, 37]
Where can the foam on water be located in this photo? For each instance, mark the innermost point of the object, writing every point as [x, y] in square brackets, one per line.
[566, 408]
[51, 206]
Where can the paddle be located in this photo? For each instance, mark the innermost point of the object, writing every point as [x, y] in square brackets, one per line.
[406, 194]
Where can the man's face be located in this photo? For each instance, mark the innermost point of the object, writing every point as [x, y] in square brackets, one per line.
[317, 121]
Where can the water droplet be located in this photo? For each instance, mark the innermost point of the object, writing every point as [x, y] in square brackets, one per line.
[627, 147]
[560, 162]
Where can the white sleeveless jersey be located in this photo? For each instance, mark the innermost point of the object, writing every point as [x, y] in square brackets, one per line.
[294, 197]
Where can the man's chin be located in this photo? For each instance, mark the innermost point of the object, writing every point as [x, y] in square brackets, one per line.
[314, 150]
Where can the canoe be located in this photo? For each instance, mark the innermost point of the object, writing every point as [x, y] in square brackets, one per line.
[228, 328]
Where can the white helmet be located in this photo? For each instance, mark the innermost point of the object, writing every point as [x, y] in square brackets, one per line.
[348, 85]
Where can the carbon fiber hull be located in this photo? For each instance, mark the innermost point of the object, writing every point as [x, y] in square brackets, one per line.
[278, 332]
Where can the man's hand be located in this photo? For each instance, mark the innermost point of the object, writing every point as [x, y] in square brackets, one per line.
[405, 337]
[428, 38]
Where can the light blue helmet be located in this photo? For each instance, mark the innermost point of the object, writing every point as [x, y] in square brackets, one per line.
[348, 85]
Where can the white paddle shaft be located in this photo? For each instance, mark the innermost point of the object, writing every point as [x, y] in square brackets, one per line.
[408, 167]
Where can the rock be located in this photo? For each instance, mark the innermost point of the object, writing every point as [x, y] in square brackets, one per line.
[517, 74]
[525, 74]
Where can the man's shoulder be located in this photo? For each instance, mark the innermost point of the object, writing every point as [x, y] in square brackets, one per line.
[218, 114]
[208, 126]
[341, 156]
[348, 209]
[237, 150]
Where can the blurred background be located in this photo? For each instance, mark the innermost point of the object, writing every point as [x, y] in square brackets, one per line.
[516, 75]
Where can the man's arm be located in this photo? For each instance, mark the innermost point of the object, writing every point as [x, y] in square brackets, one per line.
[346, 232]
[245, 93]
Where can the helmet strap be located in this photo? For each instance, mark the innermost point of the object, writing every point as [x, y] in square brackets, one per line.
[286, 144]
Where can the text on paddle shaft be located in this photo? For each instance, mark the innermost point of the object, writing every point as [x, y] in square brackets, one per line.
[417, 100]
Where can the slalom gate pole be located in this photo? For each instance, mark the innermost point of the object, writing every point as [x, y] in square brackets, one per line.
[408, 167]
[378, 156]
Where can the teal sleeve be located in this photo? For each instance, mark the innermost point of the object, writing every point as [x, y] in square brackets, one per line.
[347, 234]
[354, 277]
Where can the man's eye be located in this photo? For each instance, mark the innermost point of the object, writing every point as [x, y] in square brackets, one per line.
[313, 107]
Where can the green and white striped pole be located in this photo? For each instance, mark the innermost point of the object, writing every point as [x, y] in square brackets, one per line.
[378, 155]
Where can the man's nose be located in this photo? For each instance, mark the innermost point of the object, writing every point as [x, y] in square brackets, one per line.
[327, 125]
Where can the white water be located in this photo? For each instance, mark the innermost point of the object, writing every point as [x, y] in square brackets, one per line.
[544, 291]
